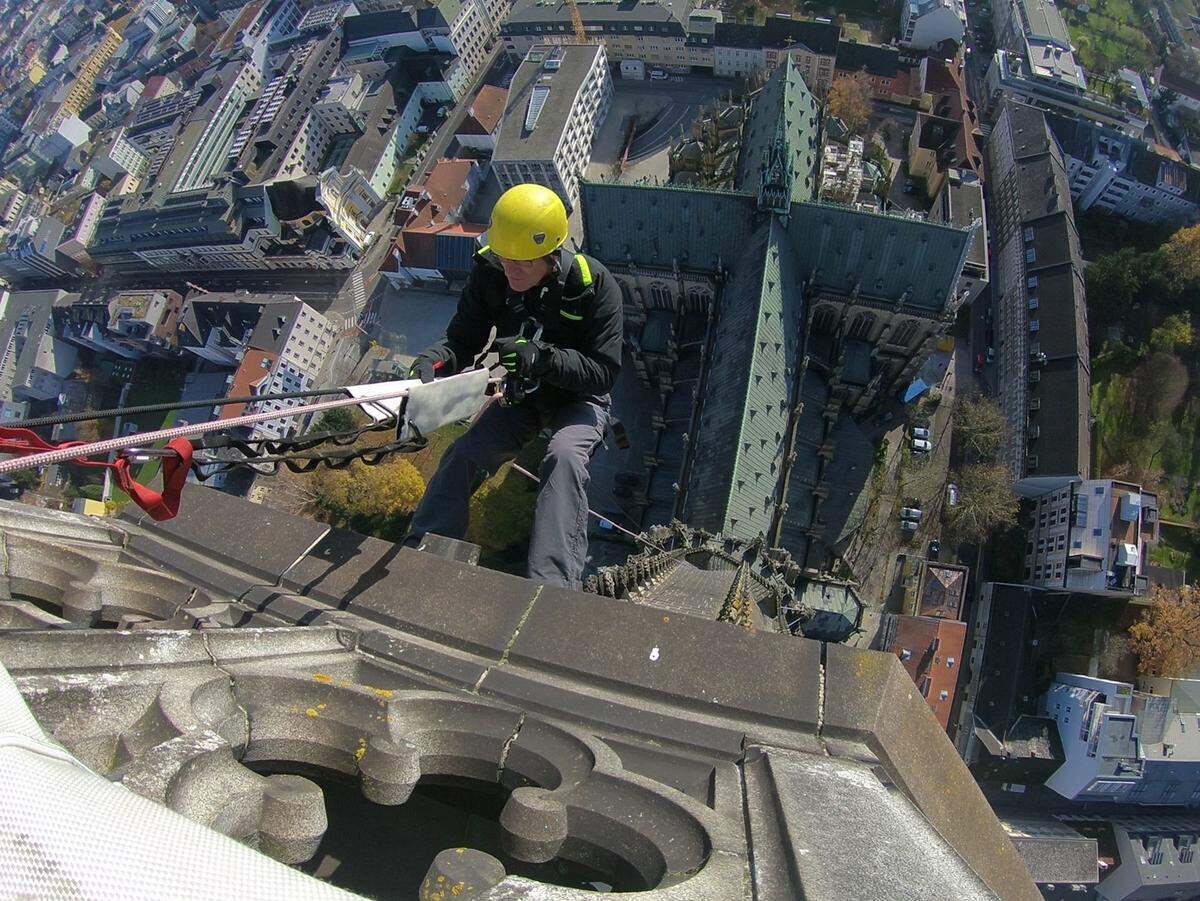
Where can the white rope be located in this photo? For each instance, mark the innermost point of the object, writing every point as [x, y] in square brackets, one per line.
[143, 439]
[638, 538]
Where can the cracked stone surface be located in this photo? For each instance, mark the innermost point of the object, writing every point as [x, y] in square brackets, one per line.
[729, 765]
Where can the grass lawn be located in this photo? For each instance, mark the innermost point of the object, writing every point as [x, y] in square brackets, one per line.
[1110, 37]
[1171, 446]
[154, 383]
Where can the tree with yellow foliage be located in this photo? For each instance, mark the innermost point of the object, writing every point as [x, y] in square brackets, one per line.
[1167, 637]
[850, 100]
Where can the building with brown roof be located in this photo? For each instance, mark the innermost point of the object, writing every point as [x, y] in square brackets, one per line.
[931, 651]
[481, 125]
[943, 588]
[434, 243]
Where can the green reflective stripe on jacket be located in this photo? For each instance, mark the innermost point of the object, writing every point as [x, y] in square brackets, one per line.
[572, 316]
[485, 250]
[585, 271]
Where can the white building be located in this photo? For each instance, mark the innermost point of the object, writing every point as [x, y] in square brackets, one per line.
[841, 171]
[1126, 745]
[213, 128]
[120, 156]
[924, 24]
[351, 203]
[1124, 176]
[557, 100]
[79, 235]
[1089, 535]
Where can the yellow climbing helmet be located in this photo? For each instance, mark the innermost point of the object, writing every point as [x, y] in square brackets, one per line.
[528, 222]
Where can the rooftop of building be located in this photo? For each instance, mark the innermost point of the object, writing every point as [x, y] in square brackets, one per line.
[1041, 19]
[540, 100]
[943, 588]
[1053, 851]
[597, 12]
[877, 59]
[960, 201]
[486, 111]
[254, 371]
[783, 31]
[716, 782]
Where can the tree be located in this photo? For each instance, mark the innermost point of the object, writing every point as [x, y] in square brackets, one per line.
[1167, 637]
[979, 426]
[986, 502]
[387, 490]
[1173, 333]
[1181, 259]
[338, 420]
[502, 512]
[1161, 383]
[1113, 281]
[850, 101]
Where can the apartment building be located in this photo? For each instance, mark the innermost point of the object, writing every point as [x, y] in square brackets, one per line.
[1035, 63]
[657, 33]
[1125, 176]
[83, 85]
[79, 233]
[435, 242]
[274, 344]
[1090, 535]
[34, 364]
[481, 125]
[130, 325]
[1044, 371]
[1126, 745]
[841, 171]
[931, 651]
[926, 24]
[558, 97]
[30, 250]
[203, 143]
[811, 45]
[119, 155]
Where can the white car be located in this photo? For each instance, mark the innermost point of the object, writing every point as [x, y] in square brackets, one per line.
[912, 513]
[921, 433]
[908, 525]
[657, 74]
[952, 495]
[921, 445]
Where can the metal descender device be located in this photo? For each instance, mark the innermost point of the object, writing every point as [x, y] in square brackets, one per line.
[517, 389]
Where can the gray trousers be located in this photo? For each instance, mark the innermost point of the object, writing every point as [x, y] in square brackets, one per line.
[558, 543]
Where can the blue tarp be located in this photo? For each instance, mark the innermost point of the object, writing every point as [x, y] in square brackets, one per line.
[915, 390]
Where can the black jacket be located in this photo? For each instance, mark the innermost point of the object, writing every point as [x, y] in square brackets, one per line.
[581, 325]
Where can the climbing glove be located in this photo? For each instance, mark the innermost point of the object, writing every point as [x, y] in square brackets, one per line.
[525, 358]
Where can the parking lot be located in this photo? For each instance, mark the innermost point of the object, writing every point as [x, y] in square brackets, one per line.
[664, 110]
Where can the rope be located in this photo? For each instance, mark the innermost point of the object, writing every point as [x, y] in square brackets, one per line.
[64, 455]
[646, 541]
[113, 413]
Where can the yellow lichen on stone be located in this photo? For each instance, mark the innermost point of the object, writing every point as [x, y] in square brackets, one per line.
[311, 711]
[322, 678]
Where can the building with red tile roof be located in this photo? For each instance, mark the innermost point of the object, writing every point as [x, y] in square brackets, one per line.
[931, 651]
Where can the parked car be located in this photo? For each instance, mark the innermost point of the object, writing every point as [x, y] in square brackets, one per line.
[935, 550]
[907, 525]
[921, 445]
[913, 513]
[657, 74]
[991, 354]
[920, 433]
[952, 495]
[908, 186]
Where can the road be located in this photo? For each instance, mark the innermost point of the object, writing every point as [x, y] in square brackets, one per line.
[449, 128]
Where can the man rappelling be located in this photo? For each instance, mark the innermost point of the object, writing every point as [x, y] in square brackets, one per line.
[558, 323]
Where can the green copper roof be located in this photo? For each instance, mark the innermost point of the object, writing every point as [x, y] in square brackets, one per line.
[785, 110]
[744, 426]
[890, 258]
[652, 226]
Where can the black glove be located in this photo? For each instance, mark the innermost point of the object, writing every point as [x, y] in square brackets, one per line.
[523, 357]
[424, 368]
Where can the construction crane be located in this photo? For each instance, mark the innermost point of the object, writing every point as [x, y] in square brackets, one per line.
[577, 22]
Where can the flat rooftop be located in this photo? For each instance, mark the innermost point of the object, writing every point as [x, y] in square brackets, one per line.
[540, 101]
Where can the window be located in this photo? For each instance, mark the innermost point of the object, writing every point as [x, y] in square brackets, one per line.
[943, 695]
[1096, 533]
[949, 663]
